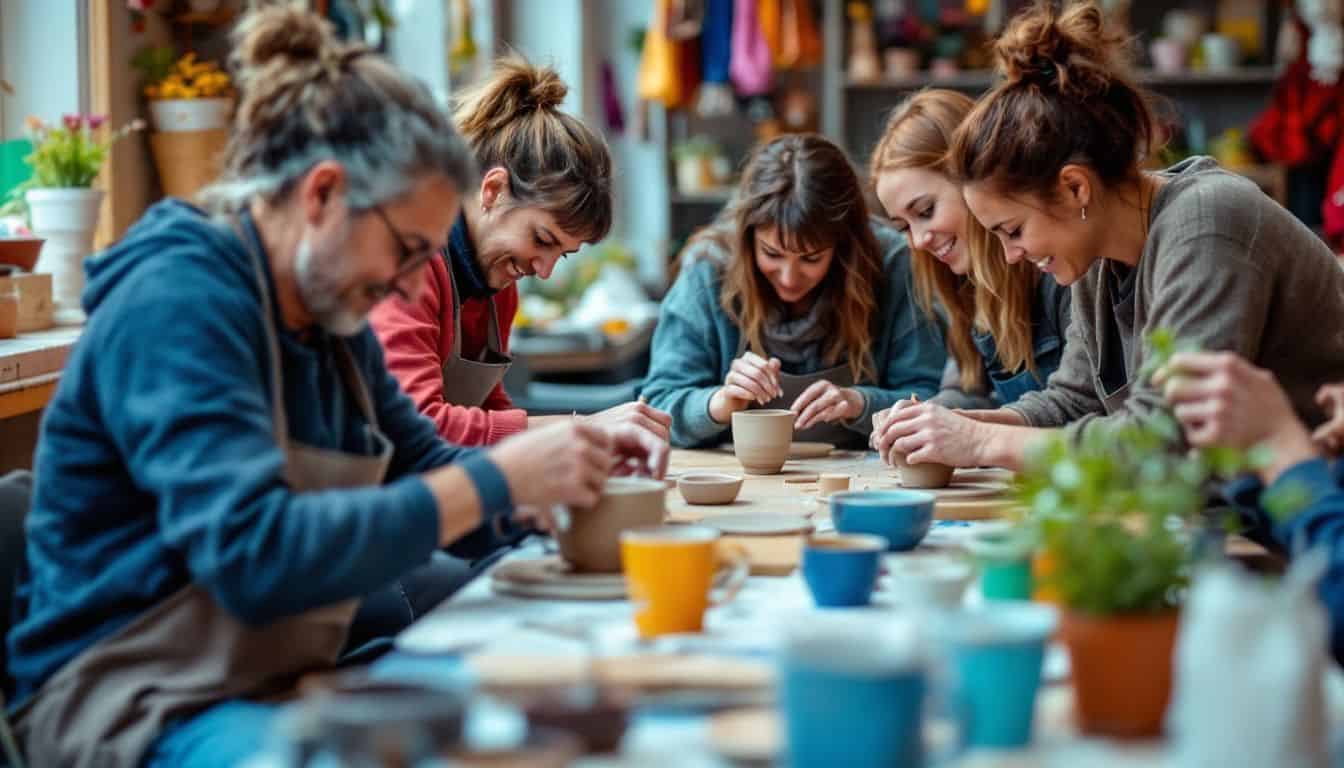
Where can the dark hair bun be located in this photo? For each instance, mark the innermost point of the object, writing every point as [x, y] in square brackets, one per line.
[1071, 49]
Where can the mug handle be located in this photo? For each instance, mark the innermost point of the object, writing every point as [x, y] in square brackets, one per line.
[734, 568]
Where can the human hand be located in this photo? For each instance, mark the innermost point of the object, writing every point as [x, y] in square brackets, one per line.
[638, 414]
[751, 379]
[823, 402]
[928, 432]
[562, 463]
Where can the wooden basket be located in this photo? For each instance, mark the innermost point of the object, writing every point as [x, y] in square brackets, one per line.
[187, 160]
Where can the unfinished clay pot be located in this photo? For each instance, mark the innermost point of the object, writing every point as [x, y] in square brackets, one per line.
[922, 475]
[762, 439]
[709, 487]
[592, 544]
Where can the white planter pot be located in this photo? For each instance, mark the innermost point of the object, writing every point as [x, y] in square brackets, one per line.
[66, 218]
[191, 114]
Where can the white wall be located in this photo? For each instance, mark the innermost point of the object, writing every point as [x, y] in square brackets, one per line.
[577, 36]
[642, 185]
[40, 55]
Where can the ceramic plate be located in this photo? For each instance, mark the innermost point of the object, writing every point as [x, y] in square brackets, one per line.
[761, 524]
[550, 578]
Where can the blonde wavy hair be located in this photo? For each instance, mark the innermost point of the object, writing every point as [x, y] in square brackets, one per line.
[803, 186]
[996, 296]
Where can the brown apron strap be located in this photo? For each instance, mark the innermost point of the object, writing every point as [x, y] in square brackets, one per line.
[281, 421]
[494, 340]
[354, 381]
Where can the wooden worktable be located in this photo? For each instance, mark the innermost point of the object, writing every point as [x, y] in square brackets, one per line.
[773, 494]
[29, 367]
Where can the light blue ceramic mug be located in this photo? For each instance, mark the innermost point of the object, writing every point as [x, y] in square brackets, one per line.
[852, 691]
[996, 652]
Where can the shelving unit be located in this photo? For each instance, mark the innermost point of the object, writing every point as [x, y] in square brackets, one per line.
[853, 112]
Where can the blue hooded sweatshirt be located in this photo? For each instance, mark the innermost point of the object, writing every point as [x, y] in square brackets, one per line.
[157, 465]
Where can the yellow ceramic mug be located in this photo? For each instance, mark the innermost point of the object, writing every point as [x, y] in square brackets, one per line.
[670, 571]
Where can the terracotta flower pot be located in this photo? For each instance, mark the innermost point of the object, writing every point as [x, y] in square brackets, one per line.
[1121, 671]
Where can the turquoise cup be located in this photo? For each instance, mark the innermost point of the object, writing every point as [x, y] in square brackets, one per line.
[1003, 557]
[997, 651]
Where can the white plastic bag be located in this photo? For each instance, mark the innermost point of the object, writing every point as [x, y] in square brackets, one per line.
[1251, 660]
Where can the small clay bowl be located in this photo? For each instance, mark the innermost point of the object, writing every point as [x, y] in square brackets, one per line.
[709, 487]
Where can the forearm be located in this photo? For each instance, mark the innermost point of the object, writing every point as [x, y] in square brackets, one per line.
[1006, 445]
[468, 495]
[995, 416]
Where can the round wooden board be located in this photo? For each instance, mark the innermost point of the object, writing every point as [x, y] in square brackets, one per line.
[759, 524]
[642, 671]
[550, 578]
[957, 490]
[972, 509]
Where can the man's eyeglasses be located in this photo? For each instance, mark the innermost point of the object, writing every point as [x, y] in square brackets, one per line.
[409, 259]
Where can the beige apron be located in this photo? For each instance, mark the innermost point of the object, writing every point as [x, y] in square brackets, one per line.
[109, 704]
[794, 385]
[469, 382]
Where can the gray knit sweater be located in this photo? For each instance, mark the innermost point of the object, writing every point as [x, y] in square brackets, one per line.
[1224, 267]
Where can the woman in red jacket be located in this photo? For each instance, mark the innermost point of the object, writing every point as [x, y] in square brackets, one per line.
[545, 190]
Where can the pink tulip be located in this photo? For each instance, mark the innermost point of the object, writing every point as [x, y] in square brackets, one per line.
[96, 121]
[72, 122]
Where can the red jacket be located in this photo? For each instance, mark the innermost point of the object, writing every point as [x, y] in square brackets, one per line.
[418, 337]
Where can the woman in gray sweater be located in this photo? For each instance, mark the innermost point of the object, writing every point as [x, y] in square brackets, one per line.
[1050, 162]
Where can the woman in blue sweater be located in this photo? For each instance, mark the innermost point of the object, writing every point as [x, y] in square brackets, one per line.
[793, 298]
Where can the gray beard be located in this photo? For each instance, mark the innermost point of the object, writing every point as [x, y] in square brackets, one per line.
[320, 277]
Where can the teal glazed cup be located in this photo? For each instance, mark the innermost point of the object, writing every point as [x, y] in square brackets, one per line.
[997, 651]
[1003, 557]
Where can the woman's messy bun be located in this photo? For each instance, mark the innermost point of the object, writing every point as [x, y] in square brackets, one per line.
[513, 120]
[1070, 50]
[514, 89]
[1067, 97]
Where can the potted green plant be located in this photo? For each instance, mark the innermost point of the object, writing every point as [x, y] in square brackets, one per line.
[1114, 511]
[1105, 509]
[61, 203]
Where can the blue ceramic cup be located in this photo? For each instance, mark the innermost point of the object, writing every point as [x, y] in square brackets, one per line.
[901, 517]
[852, 692]
[997, 651]
[841, 570]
